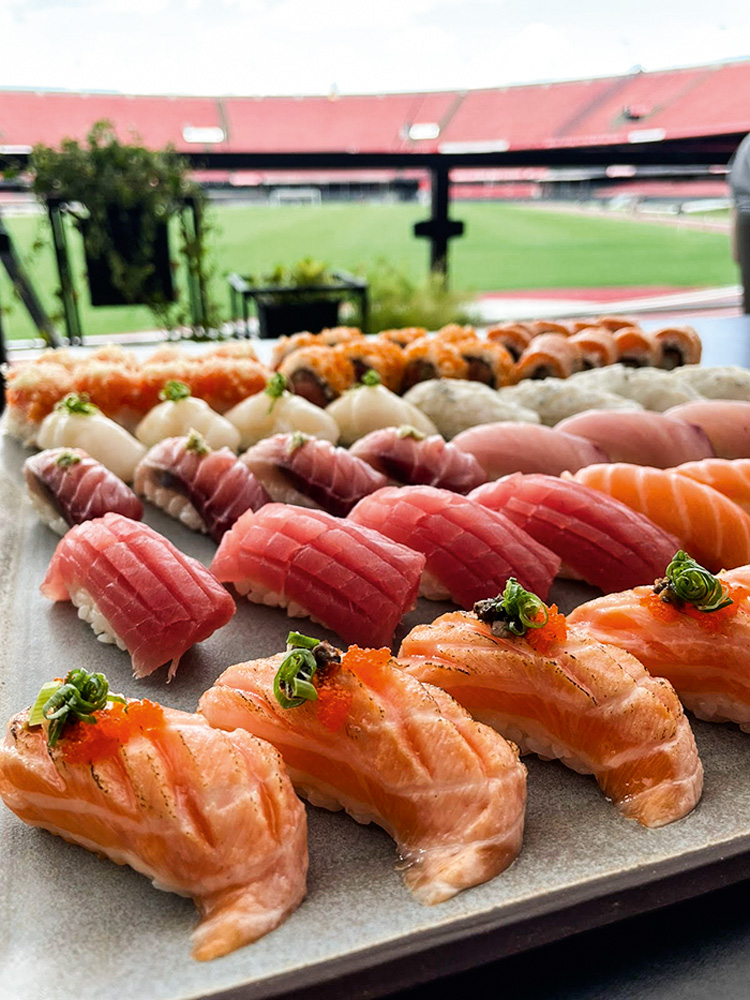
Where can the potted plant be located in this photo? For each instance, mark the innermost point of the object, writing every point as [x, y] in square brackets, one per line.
[305, 296]
[122, 198]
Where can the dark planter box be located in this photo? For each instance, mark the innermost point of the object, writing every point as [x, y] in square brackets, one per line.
[126, 233]
[284, 319]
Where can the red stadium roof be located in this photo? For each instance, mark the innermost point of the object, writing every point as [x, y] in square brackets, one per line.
[684, 103]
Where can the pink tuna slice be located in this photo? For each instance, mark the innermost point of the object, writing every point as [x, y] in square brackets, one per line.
[606, 543]
[725, 421]
[157, 601]
[354, 581]
[507, 447]
[411, 459]
[470, 551]
[640, 438]
[313, 473]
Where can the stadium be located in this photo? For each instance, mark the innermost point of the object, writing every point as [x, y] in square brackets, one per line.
[574, 195]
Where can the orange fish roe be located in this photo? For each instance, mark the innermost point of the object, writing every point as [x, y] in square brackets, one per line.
[88, 742]
[334, 700]
[382, 356]
[555, 631]
[712, 621]
[402, 336]
[369, 665]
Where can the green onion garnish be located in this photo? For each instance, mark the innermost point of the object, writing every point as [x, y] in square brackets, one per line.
[66, 458]
[407, 431]
[197, 443]
[292, 684]
[686, 581]
[174, 391]
[516, 609]
[276, 386]
[296, 441]
[73, 700]
[77, 402]
[370, 377]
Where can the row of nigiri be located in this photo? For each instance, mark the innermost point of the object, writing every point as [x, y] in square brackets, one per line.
[391, 741]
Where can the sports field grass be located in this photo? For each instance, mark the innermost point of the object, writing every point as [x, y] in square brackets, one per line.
[504, 247]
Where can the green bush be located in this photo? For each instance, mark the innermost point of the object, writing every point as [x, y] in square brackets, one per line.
[397, 301]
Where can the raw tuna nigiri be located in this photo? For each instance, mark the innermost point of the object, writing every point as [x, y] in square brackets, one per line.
[470, 551]
[704, 654]
[406, 457]
[206, 490]
[594, 707]
[726, 423]
[137, 590]
[309, 472]
[509, 447]
[390, 750]
[641, 438]
[710, 527]
[66, 487]
[353, 580]
[202, 813]
[601, 539]
[729, 476]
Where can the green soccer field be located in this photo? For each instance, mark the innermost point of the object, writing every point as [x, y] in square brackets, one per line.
[505, 247]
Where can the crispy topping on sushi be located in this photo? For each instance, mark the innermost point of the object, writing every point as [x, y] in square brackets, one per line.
[318, 373]
[429, 358]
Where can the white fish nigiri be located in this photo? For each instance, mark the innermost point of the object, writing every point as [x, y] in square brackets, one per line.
[455, 404]
[370, 406]
[77, 423]
[278, 411]
[180, 413]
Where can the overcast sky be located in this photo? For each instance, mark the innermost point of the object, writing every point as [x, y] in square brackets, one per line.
[356, 46]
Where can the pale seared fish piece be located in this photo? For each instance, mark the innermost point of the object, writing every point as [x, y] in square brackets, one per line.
[454, 405]
[554, 399]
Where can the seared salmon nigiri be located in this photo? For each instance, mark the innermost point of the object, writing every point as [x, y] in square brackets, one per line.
[692, 628]
[515, 664]
[358, 734]
[201, 812]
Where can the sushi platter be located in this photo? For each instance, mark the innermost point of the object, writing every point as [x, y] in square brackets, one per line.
[426, 495]
[581, 861]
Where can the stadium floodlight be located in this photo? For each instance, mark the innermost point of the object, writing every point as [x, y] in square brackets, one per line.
[15, 150]
[424, 130]
[647, 135]
[205, 136]
[483, 146]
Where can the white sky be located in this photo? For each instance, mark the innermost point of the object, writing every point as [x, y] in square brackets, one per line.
[358, 46]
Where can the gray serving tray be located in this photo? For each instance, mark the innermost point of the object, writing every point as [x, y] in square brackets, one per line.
[76, 927]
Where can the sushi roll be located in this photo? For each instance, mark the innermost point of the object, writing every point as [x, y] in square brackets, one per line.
[636, 348]
[407, 457]
[66, 487]
[318, 374]
[354, 581]
[540, 326]
[488, 363]
[454, 405]
[599, 539]
[514, 337]
[554, 399]
[205, 489]
[597, 346]
[31, 392]
[548, 355]
[358, 734]
[454, 333]
[326, 338]
[403, 336]
[726, 422]
[179, 413]
[680, 345]
[278, 411]
[137, 590]
[203, 813]
[222, 382]
[310, 472]
[370, 406]
[654, 439]
[504, 447]
[517, 665]
[615, 323]
[690, 627]
[76, 423]
[470, 551]
[709, 526]
[385, 358]
[429, 358]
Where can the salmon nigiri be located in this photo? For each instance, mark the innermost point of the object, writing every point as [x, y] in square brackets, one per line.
[357, 734]
[516, 665]
[710, 527]
[203, 813]
[729, 476]
[692, 628]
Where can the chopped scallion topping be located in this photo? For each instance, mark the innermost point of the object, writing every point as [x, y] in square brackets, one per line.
[370, 377]
[686, 581]
[197, 443]
[292, 685]
[73, 700]
[76, 402]
[296, 441]
[174, 391]
[407, 431]
[516, 609]
[276, 386]
[67, 458]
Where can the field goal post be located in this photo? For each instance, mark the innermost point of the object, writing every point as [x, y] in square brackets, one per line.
[295, 196]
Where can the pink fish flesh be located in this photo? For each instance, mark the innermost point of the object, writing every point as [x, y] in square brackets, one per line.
[642, 438]
[411, 460]
[507, 447]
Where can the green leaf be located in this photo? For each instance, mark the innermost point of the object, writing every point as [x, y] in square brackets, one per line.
[689, 582]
